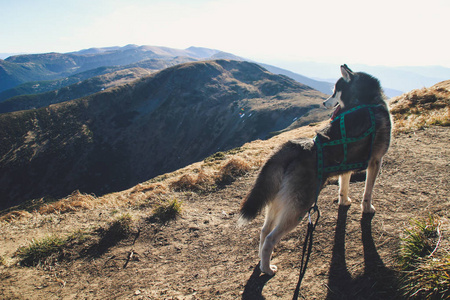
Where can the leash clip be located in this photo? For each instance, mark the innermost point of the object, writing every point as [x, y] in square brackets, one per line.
[311, 211]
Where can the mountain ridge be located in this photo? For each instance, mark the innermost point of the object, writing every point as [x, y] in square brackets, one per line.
[19, 69]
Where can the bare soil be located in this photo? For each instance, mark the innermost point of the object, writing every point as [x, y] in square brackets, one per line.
[204, 255]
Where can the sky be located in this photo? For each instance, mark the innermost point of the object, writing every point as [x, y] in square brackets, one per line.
[382, 32]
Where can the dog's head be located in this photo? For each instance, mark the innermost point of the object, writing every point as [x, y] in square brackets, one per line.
[353, 89]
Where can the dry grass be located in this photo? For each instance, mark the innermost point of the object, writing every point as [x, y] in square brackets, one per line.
[208, 180]
[81, 201]
[234, 168]
[167, 210]
[203, 181]
[121, 227]
[75, 201]
[424, 260]
[15, 215]
[421, 108]
[41, 251]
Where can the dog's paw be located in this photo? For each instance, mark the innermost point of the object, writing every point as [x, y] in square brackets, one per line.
[270, 271]
[368, 209]
[344, 201]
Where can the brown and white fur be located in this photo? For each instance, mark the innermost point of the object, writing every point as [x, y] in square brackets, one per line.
[287, 183]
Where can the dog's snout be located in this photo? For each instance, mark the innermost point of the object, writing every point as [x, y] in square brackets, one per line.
[330, 102]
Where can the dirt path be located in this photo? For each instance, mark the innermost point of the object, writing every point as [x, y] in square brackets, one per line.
[203, 255]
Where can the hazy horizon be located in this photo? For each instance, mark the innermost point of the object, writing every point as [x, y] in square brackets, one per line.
[390, 33]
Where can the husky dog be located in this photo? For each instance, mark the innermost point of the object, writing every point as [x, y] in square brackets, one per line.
[289, 182]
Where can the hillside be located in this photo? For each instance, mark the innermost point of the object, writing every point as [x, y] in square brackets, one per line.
[77, 90]
[203, 255]
[114, 139]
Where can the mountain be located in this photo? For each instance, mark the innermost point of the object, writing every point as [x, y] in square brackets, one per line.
[322, 86]
[34, 94]
[36, 87]
[39, 73]
[116, 138]
[38, 94]
[49, 66]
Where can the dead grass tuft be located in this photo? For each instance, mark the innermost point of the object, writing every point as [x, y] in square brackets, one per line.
[145, 194]
[234, 168]
[421, 108]
[43, 251]
[154, 188]
[166, 210]
[75, 201]
[121, 227]
[209, 181]
[15, 215]
[203, 181]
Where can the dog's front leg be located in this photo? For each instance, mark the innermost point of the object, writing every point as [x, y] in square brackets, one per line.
[372, 171]
[344, 182]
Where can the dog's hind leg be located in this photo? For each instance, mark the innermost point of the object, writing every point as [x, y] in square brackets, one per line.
[344, 182]
[271, 213]
[372, 172]
[287, 219]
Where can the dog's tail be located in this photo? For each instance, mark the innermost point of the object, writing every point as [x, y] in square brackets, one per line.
[264, 191]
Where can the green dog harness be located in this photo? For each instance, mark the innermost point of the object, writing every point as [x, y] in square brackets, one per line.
[345, 142]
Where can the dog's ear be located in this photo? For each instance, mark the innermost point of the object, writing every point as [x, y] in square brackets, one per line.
[347, 74]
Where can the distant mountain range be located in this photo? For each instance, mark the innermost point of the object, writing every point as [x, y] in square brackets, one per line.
[40, 73]
[19, 69]
[124, 135]
[395, 80]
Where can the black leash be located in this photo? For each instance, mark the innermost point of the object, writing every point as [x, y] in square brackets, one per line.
[307, 247]
[321, 169]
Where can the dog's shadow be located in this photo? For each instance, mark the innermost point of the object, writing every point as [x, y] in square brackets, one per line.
[255, 284]
[377, 281]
